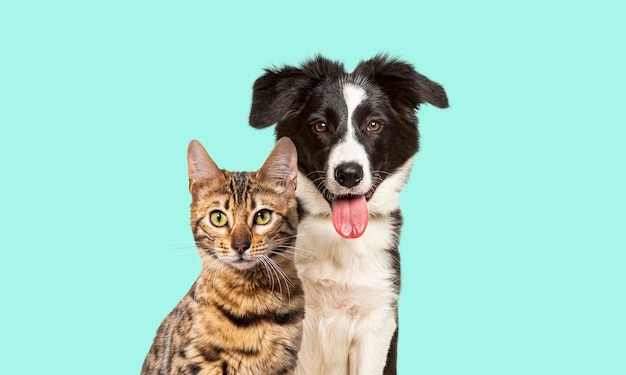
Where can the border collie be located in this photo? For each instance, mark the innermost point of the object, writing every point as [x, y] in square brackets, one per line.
[356, 135]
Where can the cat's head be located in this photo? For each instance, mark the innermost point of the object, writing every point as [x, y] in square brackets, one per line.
[243, 218]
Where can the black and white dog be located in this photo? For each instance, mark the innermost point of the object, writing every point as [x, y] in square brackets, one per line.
[356, 135]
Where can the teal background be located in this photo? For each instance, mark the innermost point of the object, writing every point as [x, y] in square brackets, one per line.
[514, 239]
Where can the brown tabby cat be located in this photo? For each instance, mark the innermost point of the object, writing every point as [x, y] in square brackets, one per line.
[244, 313]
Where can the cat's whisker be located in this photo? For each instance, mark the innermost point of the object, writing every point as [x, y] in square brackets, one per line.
[271, 263]
[203, 279]
[209, 274]
[269, 274]
[287, 280]
[180, 244]
[304, 234]
[268, 261]
[296, 251]
[221, 267]
[284, 253]
[265, 259]
[282, 273]
[173, 248]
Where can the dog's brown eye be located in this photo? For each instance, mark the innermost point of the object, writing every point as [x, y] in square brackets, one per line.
[320, 127]
[374, 126]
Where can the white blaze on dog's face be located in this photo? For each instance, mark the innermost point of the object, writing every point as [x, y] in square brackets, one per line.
[348, 163]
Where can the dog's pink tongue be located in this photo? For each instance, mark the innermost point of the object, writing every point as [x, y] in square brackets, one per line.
[350, 216]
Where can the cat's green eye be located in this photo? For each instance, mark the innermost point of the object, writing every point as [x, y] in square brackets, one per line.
[262, 217]
[218, 218]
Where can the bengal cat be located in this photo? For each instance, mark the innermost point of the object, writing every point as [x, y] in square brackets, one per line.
[243, 315]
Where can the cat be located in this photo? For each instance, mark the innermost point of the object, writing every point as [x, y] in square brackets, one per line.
[243, 315]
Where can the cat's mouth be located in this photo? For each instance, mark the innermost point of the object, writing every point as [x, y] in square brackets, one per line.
[243, 263]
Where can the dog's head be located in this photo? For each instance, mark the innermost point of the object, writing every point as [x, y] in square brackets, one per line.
[356, 133]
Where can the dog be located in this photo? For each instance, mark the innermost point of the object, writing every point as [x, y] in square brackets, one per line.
[356, 135]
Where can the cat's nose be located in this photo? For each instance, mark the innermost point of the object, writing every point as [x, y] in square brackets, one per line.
[240, 246]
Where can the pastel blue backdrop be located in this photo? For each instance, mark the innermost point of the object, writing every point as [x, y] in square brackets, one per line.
[514, 239]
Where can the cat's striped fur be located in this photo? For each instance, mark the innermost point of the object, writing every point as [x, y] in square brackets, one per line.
[244, 313]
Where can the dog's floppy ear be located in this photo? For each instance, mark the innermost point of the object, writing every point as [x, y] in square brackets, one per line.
[280, 92]
[402, 83]
[274, 94]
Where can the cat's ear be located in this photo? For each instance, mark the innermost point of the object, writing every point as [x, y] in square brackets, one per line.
[281, 166]
[201, 168]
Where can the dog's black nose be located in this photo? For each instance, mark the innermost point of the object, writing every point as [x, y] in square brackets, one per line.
[348, 174]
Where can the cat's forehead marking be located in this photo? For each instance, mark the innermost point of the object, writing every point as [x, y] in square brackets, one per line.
[239, 185]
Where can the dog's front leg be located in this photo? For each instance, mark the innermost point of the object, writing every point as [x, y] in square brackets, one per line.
[368, 352]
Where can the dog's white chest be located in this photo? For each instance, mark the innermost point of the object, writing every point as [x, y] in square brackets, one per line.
[350, 296]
